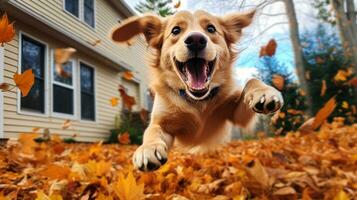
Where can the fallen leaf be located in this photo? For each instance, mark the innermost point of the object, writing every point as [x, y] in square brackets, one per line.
[323, 88]
[278, 81]
[55, 171]
[295, 112]
[257, 172]
[98, 168]
[7, 31]
[24, 81]
[114, 101]
[286, 191]
[127, 188]
[324, 113]
[128, 75]
[42, 196]
[124, 138]
[4, 87]
[341, 196]
[27, 141]
[306, 194]
[307, 127]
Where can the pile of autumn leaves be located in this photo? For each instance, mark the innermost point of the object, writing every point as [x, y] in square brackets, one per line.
[317, 165]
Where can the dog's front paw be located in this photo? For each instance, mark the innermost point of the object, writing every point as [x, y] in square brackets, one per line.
[264, 100]
[149, 157]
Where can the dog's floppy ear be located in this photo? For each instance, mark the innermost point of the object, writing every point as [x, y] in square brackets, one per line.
[149, 25]
[234, 23]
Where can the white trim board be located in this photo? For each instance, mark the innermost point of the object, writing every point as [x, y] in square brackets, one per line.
[2, 66]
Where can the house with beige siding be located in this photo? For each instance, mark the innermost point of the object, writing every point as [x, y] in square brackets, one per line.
[45, 25]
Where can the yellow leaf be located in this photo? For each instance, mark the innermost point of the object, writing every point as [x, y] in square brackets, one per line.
[7, 31]
[324, 113]
[341, 196]
[281, 115]
[127, 188]
[98, 168]
[24, 81]
[323, 88]
[345, 105]
[342, 75]
[114, 101]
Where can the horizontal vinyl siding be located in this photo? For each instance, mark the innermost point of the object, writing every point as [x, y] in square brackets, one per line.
[106, 83]
[106, 19]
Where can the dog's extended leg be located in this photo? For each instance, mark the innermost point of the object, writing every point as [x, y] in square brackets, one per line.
[256, 97]
[153, 152]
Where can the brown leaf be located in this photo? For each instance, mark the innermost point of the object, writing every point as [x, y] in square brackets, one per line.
[177, 5]
[258, 173]
[4, 87]
[269, 49]
[286, 192]
[61, 57]
[323, 88]
[128, 75]
[128, 100]
[278, 81]
[324, 113]
[353, 82]
[24, 81]
[124, 138]
[307, 127]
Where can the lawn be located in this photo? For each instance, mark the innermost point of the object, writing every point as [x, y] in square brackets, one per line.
[318, 165]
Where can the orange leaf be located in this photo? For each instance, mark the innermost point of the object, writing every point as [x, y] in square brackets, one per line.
[306, 194]
[324, 113]
[27, 142]
[306, 127]
[127, 188]
[98, 168]
[323, 88]
[124, 138]
[7, 31]
[62, 56]
[24, 81]
[177, 5]
[342, 75]
[114, 101]
[278, 81]
[269, 49]
[4, 87]
[128, 75]
[295, 112]
[54, 171]
[353, 82]
[128, 101]
[66, 124]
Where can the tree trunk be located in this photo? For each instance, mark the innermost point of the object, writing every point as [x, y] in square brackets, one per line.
[347, 28]
[299, 59]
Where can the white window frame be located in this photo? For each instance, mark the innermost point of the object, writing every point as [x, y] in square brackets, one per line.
[81, 13]
[79, 91]
[74, 87]
[46, 78]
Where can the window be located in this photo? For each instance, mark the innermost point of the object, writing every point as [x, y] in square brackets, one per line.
[63, 90]
[82, 9]
[33, 57]
[87, 92]
[72, 6]
[89, 12]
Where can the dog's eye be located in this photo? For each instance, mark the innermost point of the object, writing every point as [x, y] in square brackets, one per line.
[176, 30]
[211, 28]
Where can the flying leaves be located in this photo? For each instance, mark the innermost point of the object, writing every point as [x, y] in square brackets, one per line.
[24, 81]
[114, 101]
[7, 31]
[324, 113]
[61, 57]
[128, 100]
[124, 138]
[278, 81]
[128, 75]
[4, 87]
[269, 49]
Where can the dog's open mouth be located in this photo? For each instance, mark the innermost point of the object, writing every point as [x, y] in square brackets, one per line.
[196, 73]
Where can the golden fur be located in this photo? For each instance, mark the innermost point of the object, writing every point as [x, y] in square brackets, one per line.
[193, 124]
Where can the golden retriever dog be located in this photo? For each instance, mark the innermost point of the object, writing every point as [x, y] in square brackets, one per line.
[191, 58]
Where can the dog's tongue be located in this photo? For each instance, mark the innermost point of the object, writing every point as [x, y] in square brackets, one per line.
[196, 73]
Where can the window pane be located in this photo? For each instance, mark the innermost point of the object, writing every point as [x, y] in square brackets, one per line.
[87, 106]
[87, 79]
[67, 67]
[89, 12]
[62, 100]
[33, 57]
[34, 101]
[87, 92]
[72, 6]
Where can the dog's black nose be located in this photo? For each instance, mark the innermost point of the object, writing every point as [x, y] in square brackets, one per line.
[196, 41]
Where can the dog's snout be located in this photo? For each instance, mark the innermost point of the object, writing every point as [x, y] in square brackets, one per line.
[196, 41]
